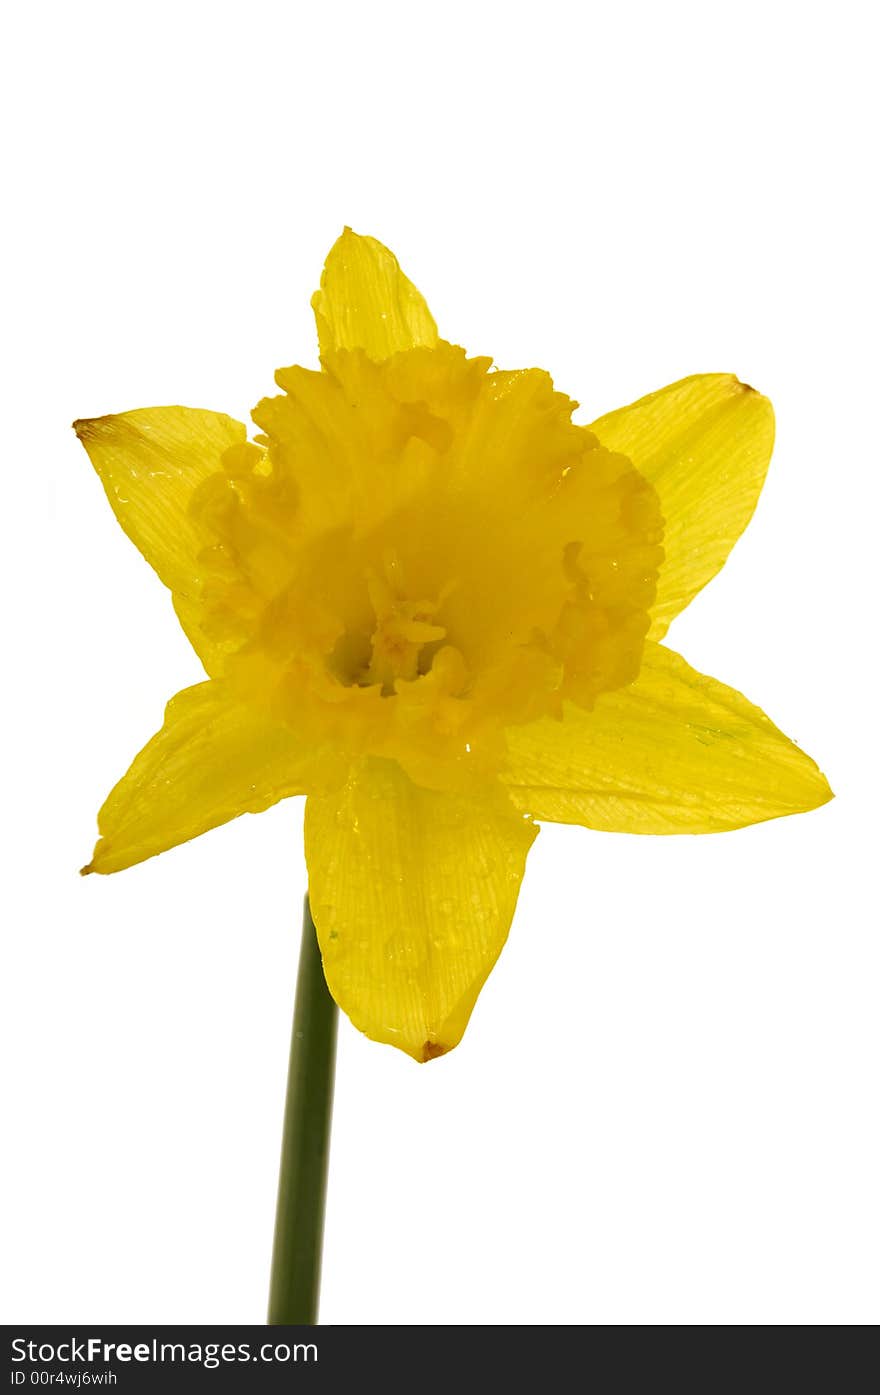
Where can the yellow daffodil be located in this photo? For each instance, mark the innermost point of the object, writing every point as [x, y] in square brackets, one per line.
[428, 600]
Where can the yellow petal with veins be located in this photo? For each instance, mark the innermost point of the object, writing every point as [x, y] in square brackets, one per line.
[675, 752]
[212, 760]
[151, 462]
[366, 302]
[412, 893]
[705, 444]
[423, 599]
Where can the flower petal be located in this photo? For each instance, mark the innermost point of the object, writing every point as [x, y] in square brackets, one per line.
[150, 463]
[705, 444]
[675, 752]
[412, 893]
[213, 759]
[366, 302]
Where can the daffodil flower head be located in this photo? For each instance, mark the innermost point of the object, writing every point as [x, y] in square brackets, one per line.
[426, 598]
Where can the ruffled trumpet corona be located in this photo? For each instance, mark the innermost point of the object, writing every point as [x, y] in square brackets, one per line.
[430, 602]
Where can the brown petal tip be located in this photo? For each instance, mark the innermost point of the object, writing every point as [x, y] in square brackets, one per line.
[107, 428]
[432, 1049]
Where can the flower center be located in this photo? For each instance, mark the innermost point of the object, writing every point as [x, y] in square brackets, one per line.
[403, 629]
[421, 553]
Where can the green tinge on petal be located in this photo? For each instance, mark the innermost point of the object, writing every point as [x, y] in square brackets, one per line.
[675, 752]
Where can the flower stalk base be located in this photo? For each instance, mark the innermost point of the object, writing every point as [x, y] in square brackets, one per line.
[305, 1148]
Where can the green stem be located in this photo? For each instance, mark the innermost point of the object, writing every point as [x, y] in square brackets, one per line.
[305, 1146]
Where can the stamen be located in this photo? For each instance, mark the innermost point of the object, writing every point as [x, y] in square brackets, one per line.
[403, 628]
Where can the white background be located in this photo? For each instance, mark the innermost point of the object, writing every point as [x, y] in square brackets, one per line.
[664, 1110]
